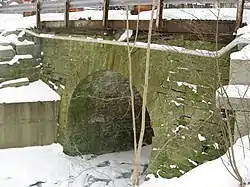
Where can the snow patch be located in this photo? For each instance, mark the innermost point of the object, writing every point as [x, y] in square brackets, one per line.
[192, 162]
[243, 54]
[14, 81]
[62, 86]
[54, 85]
[126, 35]
[216, 146]
[191, 86]
[34, 92]
[5, 48]
[48, 164]
[178, 128]
[234, 91]
[173, 166]
[16, 59]
[212, 173]
[201, 138]
[25, 42]
[176, 103]
[182, 68]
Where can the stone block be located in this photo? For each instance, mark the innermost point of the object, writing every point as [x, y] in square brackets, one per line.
[234, 97]
[33, 49]
[24, 68]
[6, 33]
[242, 124]
[239, 72]
[241, 46]
[6, 52]
[3, 41]
[28, 124]
[15, 83]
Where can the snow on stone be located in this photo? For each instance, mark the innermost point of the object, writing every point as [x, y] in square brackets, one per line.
[173, 166]
[176, 103]
[16, 59]
[191, 86]
[203, 101]
[11, 38]
[201, 138]
[182, 68]
[23, 167]
[192, 162]
[34, 92]
[4, 48]
[25, 42]
[54, 85]
[216, 146]
[13, 3]
[123, 37]
[160, 47]
[47, 35]
[3, 41]
[243, 54]
[182, 172]
[243, 30]
[171, 72]
[21, 34]
[178, 128]
[180, 99]
[14, 81]
[234, 91]
[62, 86]
[211, 53]
[212, 173]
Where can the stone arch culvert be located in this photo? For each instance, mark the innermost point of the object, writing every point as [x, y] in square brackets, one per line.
[100, 116]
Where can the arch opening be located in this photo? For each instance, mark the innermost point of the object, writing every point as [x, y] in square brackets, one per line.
[100, 115]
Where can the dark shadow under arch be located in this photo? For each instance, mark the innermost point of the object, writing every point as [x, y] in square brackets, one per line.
[99, 115]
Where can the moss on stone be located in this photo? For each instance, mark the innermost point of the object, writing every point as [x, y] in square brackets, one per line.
[170, 103]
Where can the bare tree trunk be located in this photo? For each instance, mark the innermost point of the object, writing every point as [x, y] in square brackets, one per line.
[136, 171]
[131, 82]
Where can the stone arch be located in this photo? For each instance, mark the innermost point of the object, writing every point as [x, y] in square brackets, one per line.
[99, 116]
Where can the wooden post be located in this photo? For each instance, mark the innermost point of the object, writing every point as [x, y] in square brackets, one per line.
[239, 16]
[105, 13]
[38, 14]
[160, 7]
[66, 14]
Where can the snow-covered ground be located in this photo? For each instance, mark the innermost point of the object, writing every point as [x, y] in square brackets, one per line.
[48, 165]
[213, 173]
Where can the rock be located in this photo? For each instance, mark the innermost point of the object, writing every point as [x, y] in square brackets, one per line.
[15, 83]
[32, 49]
[103, 164]
[6, 52]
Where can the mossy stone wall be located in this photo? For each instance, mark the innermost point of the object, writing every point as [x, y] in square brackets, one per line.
[180, 101]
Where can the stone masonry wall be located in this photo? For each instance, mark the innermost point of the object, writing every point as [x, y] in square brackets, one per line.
[180, 100]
